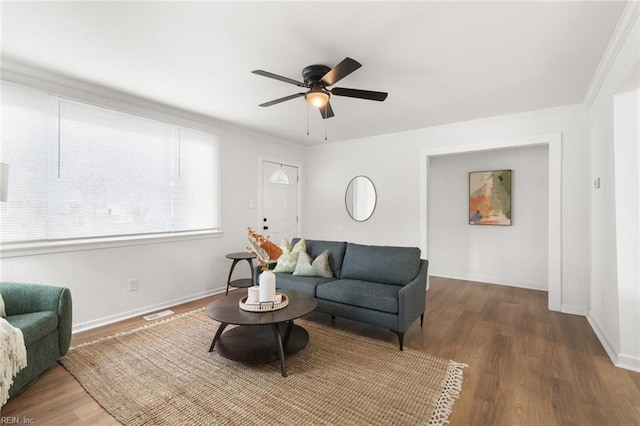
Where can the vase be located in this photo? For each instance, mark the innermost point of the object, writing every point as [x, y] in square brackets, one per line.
[267, 286]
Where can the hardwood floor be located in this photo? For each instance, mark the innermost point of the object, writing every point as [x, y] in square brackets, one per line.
[527, 365]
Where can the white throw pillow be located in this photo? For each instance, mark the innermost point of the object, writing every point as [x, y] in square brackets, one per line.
[3, 314]
[288, 259]
[285, 245]
[318, 268]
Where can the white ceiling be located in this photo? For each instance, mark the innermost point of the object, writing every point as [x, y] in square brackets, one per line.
[441, 62]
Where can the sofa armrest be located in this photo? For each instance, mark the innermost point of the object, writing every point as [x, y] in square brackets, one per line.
[65, 320]
[23, 298]
[412, 298]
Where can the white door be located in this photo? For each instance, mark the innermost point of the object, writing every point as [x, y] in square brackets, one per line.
[279, 201]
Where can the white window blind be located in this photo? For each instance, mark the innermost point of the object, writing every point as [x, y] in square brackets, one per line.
[29, 128]
[108, 173]
[196, 192]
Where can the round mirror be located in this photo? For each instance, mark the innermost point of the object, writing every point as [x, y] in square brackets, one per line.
[360, 198]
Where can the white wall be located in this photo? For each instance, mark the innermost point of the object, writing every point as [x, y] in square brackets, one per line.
[170, 270]
[393, 163]
[513, 255]
[607, 312]
[330, 169]
[627, 179]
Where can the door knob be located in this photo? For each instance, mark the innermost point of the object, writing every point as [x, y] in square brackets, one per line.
[265, 227]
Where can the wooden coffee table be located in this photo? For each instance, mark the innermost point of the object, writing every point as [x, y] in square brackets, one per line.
[261, 336]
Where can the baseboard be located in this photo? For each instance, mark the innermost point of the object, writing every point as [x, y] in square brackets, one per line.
[604, 341]
[574, 310]
[628, 362]
[492, 280]
[147, 309]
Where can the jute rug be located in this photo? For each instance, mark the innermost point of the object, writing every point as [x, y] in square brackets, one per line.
[163, 374]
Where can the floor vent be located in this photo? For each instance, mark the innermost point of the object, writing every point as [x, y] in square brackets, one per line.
[158, 315]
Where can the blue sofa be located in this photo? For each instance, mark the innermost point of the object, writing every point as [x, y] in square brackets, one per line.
[380, 285]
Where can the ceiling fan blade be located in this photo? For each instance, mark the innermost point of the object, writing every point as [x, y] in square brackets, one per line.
[326, 111]
[277, 101]
[361, 94]
[340, 71]
[279, 77]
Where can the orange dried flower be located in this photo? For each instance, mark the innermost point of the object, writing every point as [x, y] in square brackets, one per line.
[273, 250]
[263, 248]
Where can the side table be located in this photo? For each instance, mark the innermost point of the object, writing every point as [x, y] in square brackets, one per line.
[242, 282]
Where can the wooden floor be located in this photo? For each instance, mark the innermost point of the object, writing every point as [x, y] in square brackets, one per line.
[527, 365]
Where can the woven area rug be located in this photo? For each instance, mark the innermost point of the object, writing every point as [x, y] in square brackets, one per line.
[163, 374]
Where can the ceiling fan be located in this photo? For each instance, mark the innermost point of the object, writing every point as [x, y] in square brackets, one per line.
[316, 79]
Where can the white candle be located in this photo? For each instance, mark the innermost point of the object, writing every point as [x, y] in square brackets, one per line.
[267, 286]
[253, 294]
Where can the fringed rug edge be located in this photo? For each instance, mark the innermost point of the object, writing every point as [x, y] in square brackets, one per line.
[451, 388]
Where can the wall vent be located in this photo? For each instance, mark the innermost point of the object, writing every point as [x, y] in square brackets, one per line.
[158, 315]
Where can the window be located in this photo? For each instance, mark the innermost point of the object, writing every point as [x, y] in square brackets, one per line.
[281, 177]
[81, 171]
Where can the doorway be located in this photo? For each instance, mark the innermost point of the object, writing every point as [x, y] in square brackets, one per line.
[280, 216]
[554, 142]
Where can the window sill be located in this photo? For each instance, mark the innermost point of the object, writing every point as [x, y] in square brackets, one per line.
[48, 247]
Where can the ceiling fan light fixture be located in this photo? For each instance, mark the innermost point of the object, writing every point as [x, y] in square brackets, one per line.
[317, 97]
[316, 78]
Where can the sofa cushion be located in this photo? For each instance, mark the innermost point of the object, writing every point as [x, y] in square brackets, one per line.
[381, 264]
[336, 252]
[289, 258]
[318, 267]
[35, 325]
[286, 262]
[364, 294]
[2, 312]
[306, 285]
[285, 245]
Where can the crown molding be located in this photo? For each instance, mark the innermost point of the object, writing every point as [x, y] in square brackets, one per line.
[67, 87]
[625, 24]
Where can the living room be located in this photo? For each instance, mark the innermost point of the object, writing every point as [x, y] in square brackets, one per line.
[578, 249]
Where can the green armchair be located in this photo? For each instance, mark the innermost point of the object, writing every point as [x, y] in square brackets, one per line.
[43, 314]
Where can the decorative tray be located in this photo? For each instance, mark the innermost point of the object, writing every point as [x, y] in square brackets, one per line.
[281, 302]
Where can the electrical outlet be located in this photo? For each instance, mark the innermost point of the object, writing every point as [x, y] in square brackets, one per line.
[133, 284]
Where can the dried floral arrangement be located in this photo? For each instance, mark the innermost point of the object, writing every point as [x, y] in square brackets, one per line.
[263, 248]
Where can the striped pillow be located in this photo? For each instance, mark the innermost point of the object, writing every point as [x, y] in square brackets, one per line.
[289, 258]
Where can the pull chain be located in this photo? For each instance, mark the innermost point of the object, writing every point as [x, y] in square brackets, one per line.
[325, 130]
[307, 120]
[326, 108]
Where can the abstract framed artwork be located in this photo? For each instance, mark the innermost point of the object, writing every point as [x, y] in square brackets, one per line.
[490, 197]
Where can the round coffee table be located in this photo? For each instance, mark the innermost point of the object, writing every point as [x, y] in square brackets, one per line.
[259, 337]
